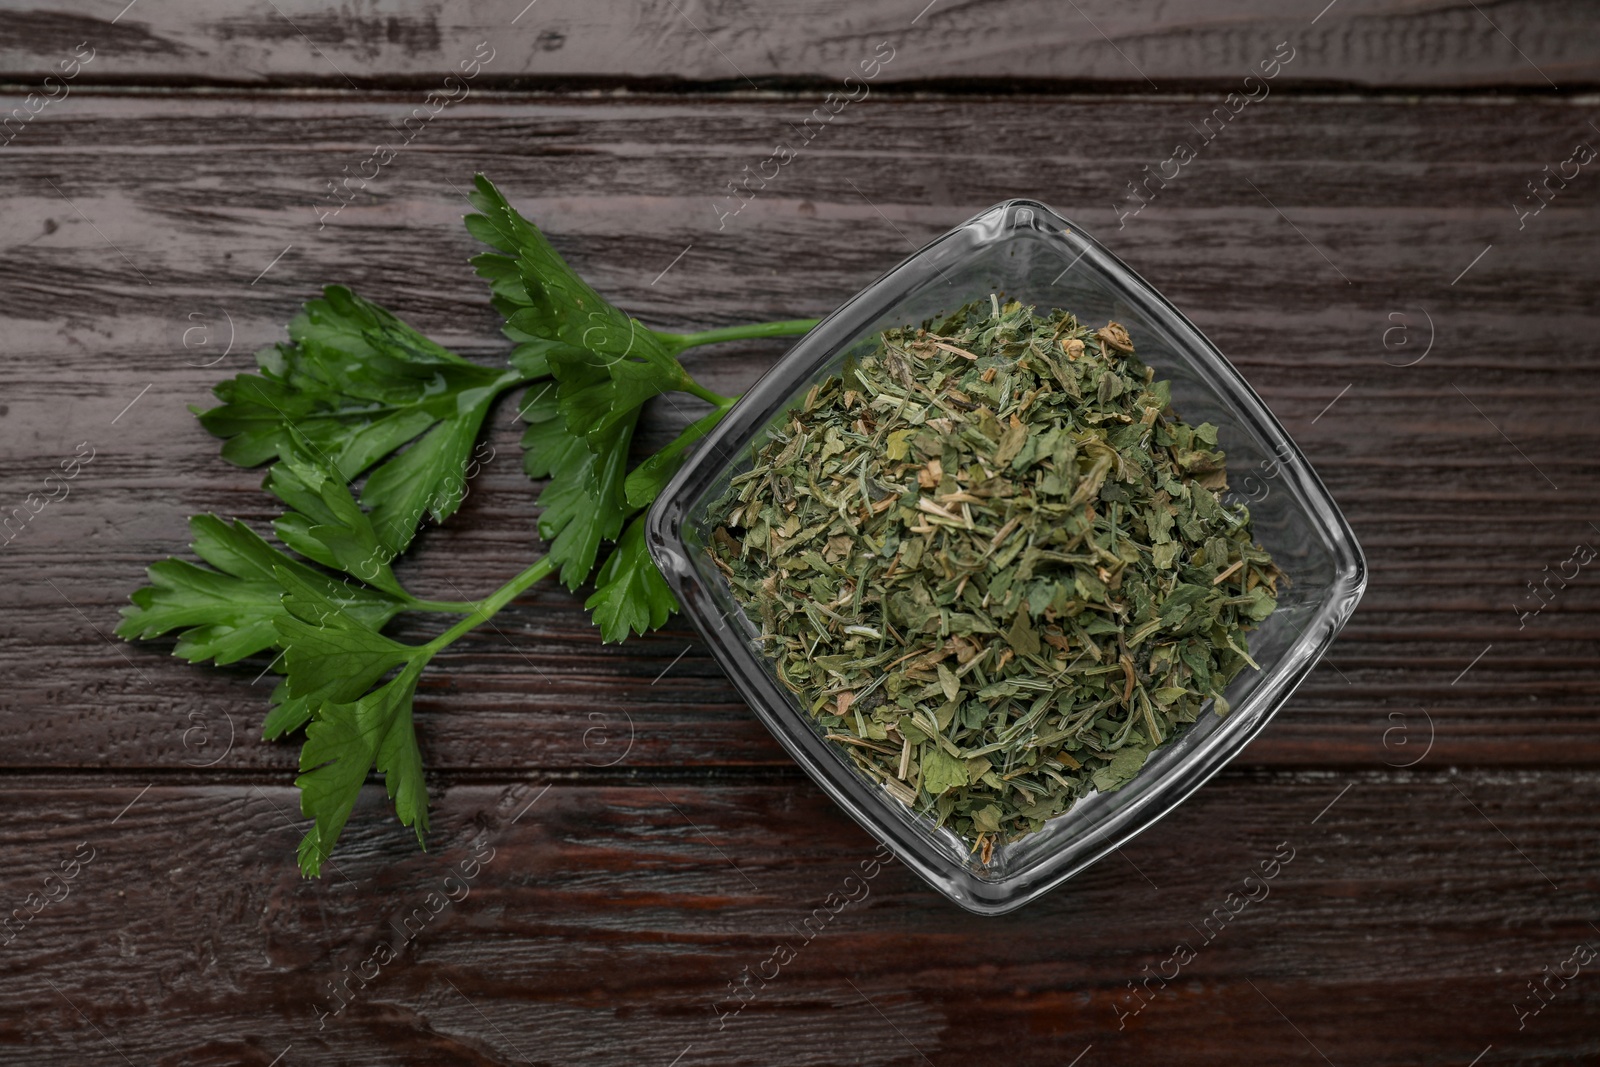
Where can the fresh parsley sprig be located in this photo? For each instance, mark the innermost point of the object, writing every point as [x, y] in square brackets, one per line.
[368, 428]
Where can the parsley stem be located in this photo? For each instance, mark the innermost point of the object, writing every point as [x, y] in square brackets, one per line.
[722, 403]
[449, 607]
[677, 342]
[483, 610]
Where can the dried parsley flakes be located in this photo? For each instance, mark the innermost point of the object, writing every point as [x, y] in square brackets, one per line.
[993, 564]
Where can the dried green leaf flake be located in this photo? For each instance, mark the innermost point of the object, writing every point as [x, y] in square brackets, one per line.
[941, 771]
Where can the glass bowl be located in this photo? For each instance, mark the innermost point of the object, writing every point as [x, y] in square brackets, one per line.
[1027, 252]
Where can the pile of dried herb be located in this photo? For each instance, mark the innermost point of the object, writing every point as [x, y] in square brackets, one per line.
[992, 562]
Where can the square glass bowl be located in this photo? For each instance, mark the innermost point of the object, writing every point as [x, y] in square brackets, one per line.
[1024, 251]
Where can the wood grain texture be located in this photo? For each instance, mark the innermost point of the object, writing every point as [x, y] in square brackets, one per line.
[605, 923]
[740, 44]
[676, 845]
[1456, 518]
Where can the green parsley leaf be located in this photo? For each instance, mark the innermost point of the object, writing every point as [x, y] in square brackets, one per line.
[646, 481]
[353, 385]
[498, 227]
[600, 394]
[583, 502]
[331, 660]
[552, 301]
[606, 365]
[531, 356]
[629, 591]
[229, 610]
[327, 525]
[346, 740]
[329, 655]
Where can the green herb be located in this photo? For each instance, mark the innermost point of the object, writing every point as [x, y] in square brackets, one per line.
[357, 395]
[993, 564]
[354, 384]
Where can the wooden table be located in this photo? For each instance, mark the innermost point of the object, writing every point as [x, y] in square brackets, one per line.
[1351, 241]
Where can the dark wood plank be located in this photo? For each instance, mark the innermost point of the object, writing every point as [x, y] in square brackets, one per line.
[605, 924]
[130, 222]
[1381, 43]
[619, 907]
